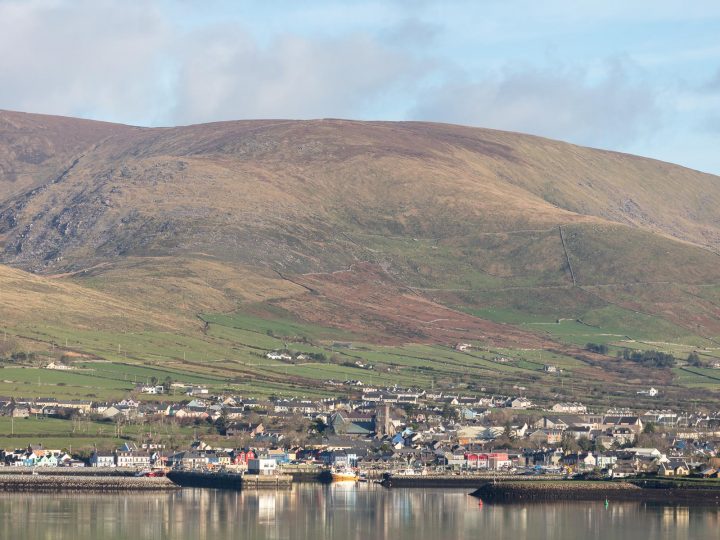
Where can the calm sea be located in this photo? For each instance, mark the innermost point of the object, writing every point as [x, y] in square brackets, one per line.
[362, 512]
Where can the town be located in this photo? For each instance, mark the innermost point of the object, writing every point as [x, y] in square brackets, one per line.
[394, 430]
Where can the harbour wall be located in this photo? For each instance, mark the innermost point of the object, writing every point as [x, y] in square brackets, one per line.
[70, 471]
[233, 481]
[449, 480]
[566, 490]
[52, 483]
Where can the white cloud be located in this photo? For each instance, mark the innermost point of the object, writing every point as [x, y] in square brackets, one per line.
[559, 102]
[85, 58]
[225, 74]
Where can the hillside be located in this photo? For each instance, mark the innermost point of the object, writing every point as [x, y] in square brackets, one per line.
[388, 234]
[35, 149]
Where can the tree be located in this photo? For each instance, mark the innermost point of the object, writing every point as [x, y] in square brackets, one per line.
[410, 409]
[694, 359]
[318, 425]
[653, 440]
[449, 413]
[654, 359]
[222, 422]
[569, 443]
[295, 431]
[585, 444]
[499, 416]
[7, 346]
[599, 348]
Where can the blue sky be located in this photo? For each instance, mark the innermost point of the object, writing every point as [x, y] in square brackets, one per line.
[640, 77]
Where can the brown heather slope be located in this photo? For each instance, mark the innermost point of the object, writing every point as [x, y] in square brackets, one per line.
[209, 217]
[379, 309]
[35, 149]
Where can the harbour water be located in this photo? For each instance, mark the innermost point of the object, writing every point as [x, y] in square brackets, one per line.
[339, 511]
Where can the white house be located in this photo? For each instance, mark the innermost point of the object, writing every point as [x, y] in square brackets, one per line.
[262, 466]
[570, 408]
[62, 367]
[138, 460]
[278, 356]
[102, 459]
[150, 389]
[521, 403]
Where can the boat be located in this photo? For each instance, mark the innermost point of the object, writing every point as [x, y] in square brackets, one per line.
[150, 473]
[344, 475]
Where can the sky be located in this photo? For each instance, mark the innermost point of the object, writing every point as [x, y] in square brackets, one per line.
[634, 76]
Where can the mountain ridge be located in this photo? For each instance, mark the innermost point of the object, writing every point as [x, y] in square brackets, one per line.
[390, 233]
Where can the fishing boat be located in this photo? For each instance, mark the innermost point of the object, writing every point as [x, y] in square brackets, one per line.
[344, 475]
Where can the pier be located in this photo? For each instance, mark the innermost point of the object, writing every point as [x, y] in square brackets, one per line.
[451, 480]
[565, 490]
[230, 480]
[53, 483]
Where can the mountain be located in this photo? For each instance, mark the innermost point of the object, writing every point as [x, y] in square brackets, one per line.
[391, 232]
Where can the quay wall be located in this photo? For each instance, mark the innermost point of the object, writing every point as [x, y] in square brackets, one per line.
[232, 481]
[563, 490]
[70, 471]
[449, 480]
[33, 482]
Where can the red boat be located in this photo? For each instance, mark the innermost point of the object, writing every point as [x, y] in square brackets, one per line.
[147, 473]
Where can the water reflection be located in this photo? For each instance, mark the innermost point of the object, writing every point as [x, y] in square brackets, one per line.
[338, 511]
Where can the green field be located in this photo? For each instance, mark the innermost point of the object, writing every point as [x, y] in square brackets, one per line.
[230, 356]
[82, 433]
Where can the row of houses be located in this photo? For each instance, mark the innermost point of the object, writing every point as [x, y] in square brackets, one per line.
[37, 456]
[198, 455]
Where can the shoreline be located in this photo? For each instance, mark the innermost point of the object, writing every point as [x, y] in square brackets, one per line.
[486, 488]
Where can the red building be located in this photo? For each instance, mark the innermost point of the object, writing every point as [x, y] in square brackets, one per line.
[242, 457]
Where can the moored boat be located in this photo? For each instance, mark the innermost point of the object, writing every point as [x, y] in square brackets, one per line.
[344, 475]
[151, 473]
